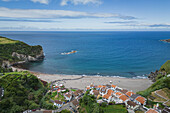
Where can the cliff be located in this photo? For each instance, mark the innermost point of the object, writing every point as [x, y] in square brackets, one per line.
[14, 52]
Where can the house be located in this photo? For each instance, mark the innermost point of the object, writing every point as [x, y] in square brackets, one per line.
[108, 86]
[124, 91]
[110, 92]
[68, 96]
[129, 93]
[151, 111]
[94, 92]
[113, 87]
[103, 91]
[58, 103]
[99, 87]
[88, 88]
[117, 94]
[78, 93]
[107, 98]
[134, 96]
[123, 99]
[74, 104]
[140, 100]
[91, 86]
[118, 89]
[131, 105]
[63, 89]
[1, 92]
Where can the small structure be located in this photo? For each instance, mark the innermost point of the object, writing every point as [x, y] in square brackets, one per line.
[131, 105]
[151, 111]
[129, 93]
[94, 92]
[75, 104]
[78, 93]
[68, 96]
[124, 91]
[113, 87]
[140, 100]
[123, 98]
[107, 98]
[134, 96]
[58, 103]
[103, 91]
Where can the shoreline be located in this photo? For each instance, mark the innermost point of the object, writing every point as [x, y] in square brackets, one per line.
[80, 81]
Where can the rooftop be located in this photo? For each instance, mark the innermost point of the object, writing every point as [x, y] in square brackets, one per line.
[152, 111]
[141, 99]
[129, 93]
[123, 97]
[58, 102]
[131, 103]
[106, 96]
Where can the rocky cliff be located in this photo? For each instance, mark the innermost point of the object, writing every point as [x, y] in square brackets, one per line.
[167, 40]
[16, 52]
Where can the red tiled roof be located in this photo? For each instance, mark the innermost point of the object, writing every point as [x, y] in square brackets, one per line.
[152, 111]
[88, 88]
[118, 93]
[129, 93]
[123, 97]
[106, 96]
[141, 99]
[113, 86]
[99, 86]
[110, 92]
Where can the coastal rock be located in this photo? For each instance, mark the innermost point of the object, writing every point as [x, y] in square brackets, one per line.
[166, 40]
[5, 64]
[28, 58]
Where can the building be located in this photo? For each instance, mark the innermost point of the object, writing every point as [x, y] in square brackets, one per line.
[103, 91]
[131, 105]
[134, 96]
[151, 111]
[140, 100]
[129, 93]
[94, 92]
[113, 87]
[78, 93]
[123, 99]
[68, 96]
[124, 91]
[58, 103]
[107, 98]
[74, 104]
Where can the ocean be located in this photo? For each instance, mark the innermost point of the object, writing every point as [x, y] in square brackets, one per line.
[128, 54]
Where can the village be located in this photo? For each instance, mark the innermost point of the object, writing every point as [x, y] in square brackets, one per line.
[69, 99]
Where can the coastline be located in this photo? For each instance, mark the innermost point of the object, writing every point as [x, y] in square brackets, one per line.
[80, 82]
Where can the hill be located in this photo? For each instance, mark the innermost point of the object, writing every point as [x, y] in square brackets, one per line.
[22, 91]
[13, 52]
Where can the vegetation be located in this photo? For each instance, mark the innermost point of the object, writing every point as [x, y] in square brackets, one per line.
[22, 91]
[166, 67]
[88, 104]
[159, 84]
[8, 46]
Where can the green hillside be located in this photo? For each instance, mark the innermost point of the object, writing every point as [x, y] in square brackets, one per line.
[166, 67]
[8, 46]
[23, 91]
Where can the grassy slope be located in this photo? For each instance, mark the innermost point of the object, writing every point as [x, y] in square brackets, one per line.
[162, 82]
[22, 91]
[166, 67]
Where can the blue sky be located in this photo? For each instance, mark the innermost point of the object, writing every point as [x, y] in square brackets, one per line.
[66, 15]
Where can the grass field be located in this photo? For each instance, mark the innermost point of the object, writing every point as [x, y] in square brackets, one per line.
[7, 41]
[114, 109]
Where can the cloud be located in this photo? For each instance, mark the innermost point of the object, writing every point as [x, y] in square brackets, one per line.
[121, 22]
[76, 2]
[41, 1]
[53, 14]
[159, 25]
[27, 20]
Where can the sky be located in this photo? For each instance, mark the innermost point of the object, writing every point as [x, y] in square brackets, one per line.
[84, 15]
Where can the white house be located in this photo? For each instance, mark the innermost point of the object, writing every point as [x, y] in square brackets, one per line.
[131, 105]
[103, 91]
[68, 96]
[140, 100]
[58, 103]
[107, 98]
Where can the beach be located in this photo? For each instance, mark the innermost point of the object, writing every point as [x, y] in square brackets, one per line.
[80, 82]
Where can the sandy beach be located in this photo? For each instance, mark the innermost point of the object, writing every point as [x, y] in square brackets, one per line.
[80, 82]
